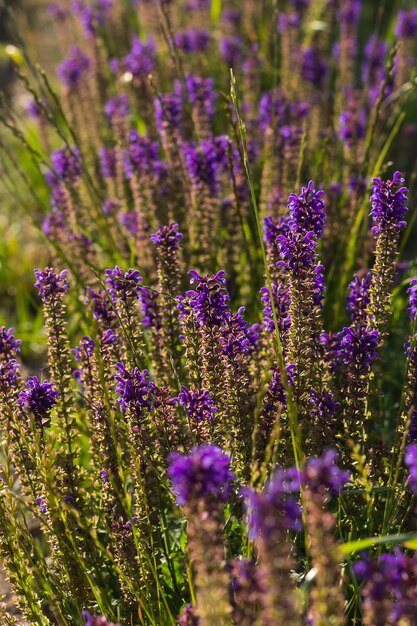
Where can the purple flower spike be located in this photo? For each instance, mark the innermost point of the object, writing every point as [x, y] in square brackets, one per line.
[8, 344]
[388, 204]
[358, 345]
[39, 397]
[274, 508]
[192, 40]
[411, 462]
[406, 27]
[96, 620]
[117, 107]
[140, 61]
[198, 404]
[209, 299]
[66, 164]
[359, 297]
[308, 210]
[74, 68]
[314, 68]
[49, 283]
[321, 474]
[205, 473]
[135, 390]
[42, 505]
[167, 237]
[123, 284]
[412, 290]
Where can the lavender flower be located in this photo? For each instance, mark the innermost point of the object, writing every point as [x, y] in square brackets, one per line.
[198, 404]
[92, 15]
[123, 285]
[411, 462]
[50, 284]
[9, 346]
[140, 61]
[167, 237]
[231, 49]
[204, 473]
[274, 507]
[359, 298]
[39, 398]
[406, 27]
[117, 107]
[192, 40]
[66, 164]
[209, 299]
[74, 68]
[96, 620]
[412, 302]
[357, 347]
[322, 475]
[307, 211]
[315, 68]
[388, 204]
[135, 390]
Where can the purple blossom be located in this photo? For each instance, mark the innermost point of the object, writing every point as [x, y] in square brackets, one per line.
[96, 620]
[167, 237]
[74, 68]
[412, 299]
[406, 27]
[188, 617]
[287, 21]
[38, 398]
[140, 155]
[104, 476]
[232, 16]
[66, 164]
[389, 590]
[123, 285]
[274, 508]
[135, 390]
[57, 11]
[107, 162]
[140, 61]
[9, 372]
[42, 505]
[350, 12]
[117, 107]
[9, 346]
[92, 15]
[192, 40]
[231, 49]
[314, 68]
[130, 222]
[49, 283]
[321, 474]
[237, 336]
[297, 250]
[411, 462]
[149, 306]
[204, 473]
[100, 304]
[282, 304]
[201, 92]
[85, 349]
[358, 298]
[198, 404]
[307, 211]
[209, 299]
[358, 346]
[352, 124]
[168, 110]
[388, 204]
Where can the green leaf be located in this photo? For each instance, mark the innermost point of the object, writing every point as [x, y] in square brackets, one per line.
[216, 9]
[409, 540]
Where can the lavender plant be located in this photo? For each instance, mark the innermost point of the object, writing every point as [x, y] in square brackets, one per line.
[222, 307]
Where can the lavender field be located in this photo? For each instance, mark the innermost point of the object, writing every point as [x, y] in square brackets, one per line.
[208, 312]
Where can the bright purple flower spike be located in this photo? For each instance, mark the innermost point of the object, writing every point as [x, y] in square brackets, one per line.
[204, 473]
